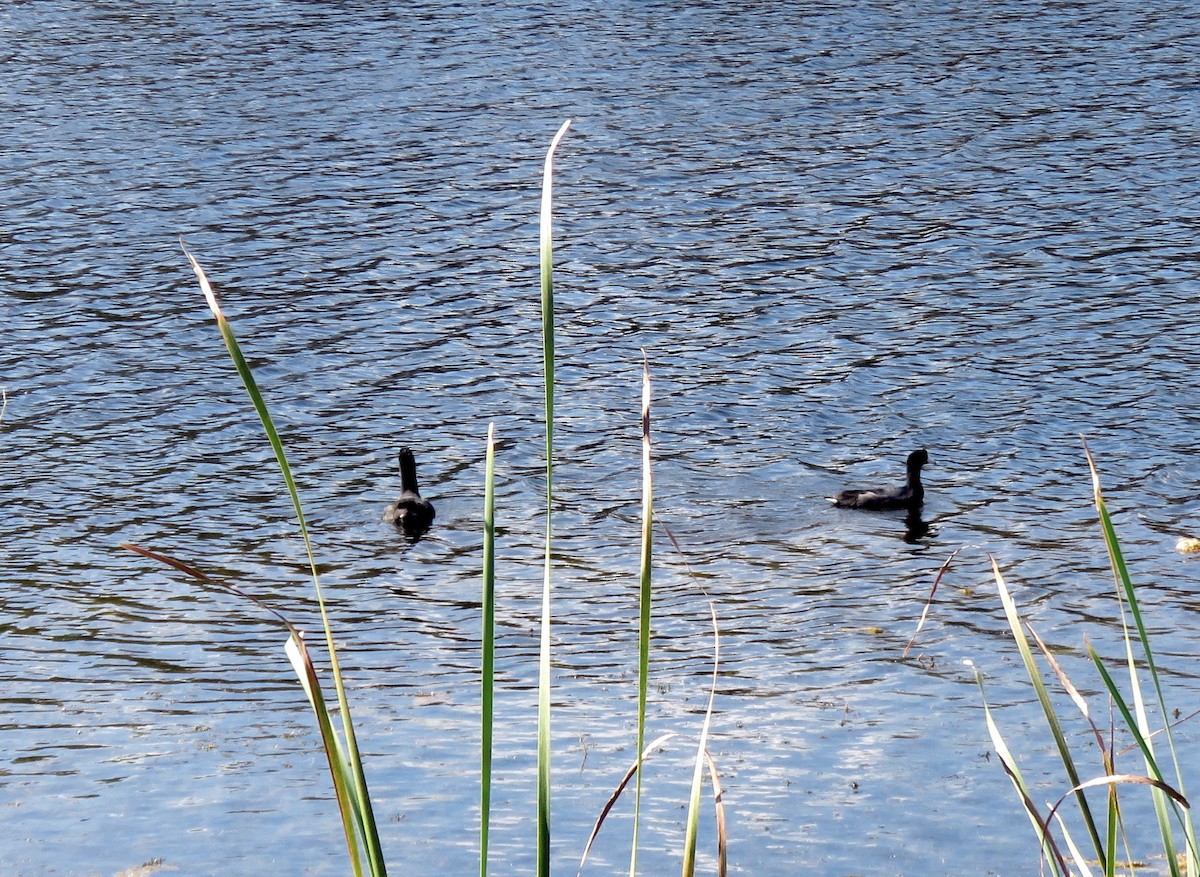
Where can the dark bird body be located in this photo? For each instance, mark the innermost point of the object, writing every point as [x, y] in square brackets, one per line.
[409, 512]
[908, 496]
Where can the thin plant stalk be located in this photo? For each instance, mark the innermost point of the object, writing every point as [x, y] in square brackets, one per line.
[703, 758]
[693, 821]
[487, 696]
[547, 277]
[360, 803]
[644, 606]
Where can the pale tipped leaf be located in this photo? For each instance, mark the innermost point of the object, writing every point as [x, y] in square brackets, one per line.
[547, 278]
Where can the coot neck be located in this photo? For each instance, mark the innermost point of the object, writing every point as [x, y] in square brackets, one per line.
[408, 472]
[914, 484]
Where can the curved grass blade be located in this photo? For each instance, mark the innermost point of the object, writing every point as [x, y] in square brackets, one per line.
[719, 806]
[693, 819]
[364, 815]
[1158, 788]
[1035, 679]
[1121, 779]
[547, 276]
[937, 580]
[1050, 851]
[635, 768]
[488, 648]
[339, 767]
[1105, 750]
[644, 604]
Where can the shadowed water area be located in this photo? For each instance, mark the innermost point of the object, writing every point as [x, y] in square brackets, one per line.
[839, 231]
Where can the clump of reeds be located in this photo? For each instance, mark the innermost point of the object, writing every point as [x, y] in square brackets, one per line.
[345, 762]
[1140, 707]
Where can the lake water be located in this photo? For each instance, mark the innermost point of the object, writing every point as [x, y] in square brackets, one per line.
[840, 231]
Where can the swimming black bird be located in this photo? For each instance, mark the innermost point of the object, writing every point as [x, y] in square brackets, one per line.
[409, 512]
[909, 496]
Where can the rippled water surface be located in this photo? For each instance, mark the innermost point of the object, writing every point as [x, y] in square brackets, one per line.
[839, 231]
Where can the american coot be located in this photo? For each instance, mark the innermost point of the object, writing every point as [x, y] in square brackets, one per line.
[909, 496]
[410, 513]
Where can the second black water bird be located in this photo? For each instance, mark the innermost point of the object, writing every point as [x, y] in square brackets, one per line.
[409, 512]
[910, 495]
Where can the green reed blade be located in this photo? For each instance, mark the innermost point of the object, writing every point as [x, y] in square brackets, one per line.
[1104, 750]
[1134, 721]
[340, 767]
[644, 604]
[1127, 715]
[547, 276]
[361, 797]
[487, 697]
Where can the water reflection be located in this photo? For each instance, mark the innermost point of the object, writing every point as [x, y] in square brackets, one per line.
[915, 527]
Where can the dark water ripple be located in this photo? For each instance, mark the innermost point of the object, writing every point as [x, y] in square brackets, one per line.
[838, 232]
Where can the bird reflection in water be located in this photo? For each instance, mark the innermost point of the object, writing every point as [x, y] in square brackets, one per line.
[915, 527]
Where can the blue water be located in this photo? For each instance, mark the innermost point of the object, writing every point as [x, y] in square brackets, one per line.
[838, 232]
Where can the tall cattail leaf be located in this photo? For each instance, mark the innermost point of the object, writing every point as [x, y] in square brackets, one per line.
[365, 816]
[1125, 587]
[547, 276]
